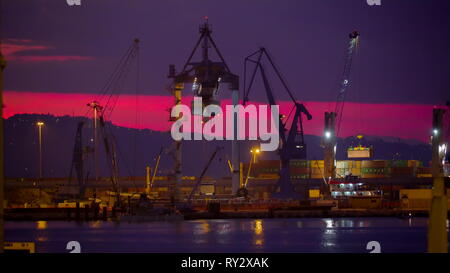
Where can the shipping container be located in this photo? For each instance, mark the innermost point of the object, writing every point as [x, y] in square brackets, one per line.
[314, 193]
[415, 163]
[317, 170]
[268, 176]
[375, 172]
[316, 163]
[343, 164]
[400, 163]
[363, 202]
[403, 171]
[299, 163]
[300, 176]
[298, 170]
[423, 170]
[375, 164]
[355, 171]
[416, 193]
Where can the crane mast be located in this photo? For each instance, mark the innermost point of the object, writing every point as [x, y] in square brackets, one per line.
[205, 75]
[333, 119]
[292, 144]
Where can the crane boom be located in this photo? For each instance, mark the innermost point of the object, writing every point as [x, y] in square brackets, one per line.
[345, 79]
[333, 119]
[292, 143]
[205, 169]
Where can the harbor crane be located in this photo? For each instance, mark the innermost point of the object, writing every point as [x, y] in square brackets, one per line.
[108, 96]
[333, 119]
[78, 161]
[205, 76]
[292, 143]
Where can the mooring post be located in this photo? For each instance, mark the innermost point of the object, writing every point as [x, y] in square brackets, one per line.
[113, 211]
[96, 208]
[105, 214]
[2, 181]
[86, 212]
[437, 223]
[77, 211]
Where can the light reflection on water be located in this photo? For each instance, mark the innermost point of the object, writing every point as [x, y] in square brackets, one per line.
[230, 235]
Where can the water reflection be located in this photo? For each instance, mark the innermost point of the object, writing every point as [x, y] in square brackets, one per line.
[41, 224]
[328, 223]
[223, 229]
[258, 227]
[95, 224]
[328, 238]
[202, 227]
[258, 232]
[231, 235]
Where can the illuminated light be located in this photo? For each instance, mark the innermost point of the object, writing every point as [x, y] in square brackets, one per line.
[41, 224]
[202, 228]
[329, 223]
[435, 132]
[259, 242]
[40, 123]
[259, 227]
[327, 134]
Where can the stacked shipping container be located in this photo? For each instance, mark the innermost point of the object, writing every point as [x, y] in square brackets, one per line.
[304, 169]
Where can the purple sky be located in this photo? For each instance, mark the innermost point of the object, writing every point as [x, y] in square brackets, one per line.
[403, 56]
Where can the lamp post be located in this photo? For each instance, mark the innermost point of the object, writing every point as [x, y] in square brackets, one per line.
[40, 124]
[254, 152]
[2, 67]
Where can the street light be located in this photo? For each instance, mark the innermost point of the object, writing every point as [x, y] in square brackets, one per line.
[40, 124]
[254, 152]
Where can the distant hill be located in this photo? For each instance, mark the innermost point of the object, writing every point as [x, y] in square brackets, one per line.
[138, 148]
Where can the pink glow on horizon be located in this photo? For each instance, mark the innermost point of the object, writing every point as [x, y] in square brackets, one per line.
[11, 48]
[408, 121]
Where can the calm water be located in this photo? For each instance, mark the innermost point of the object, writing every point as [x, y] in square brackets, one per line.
[236, 235]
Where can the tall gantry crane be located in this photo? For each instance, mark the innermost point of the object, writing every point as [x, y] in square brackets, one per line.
[205, 76]
[333, 119]
[292, 144]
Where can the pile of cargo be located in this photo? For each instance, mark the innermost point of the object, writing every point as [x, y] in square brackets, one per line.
[314, 169]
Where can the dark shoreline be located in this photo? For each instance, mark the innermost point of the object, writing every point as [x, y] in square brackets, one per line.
[63, 214]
